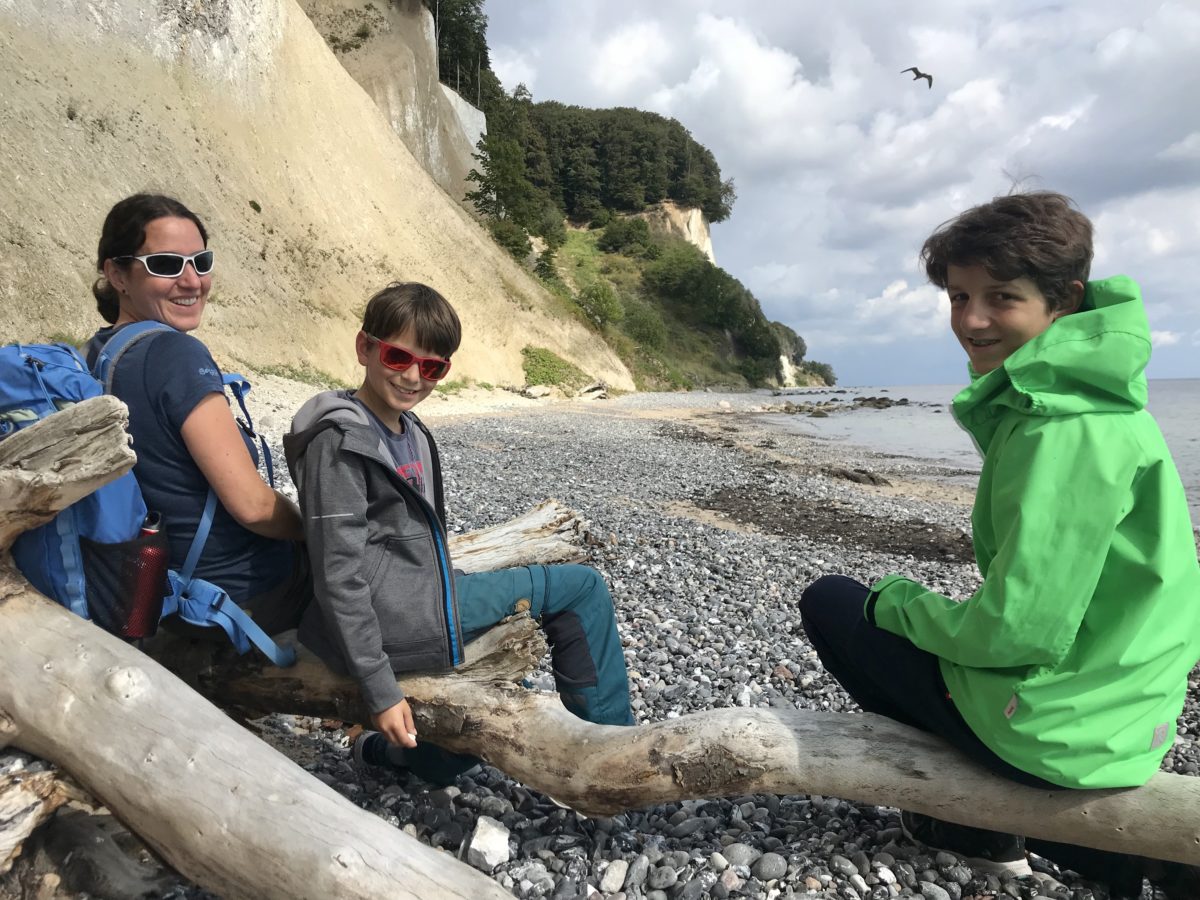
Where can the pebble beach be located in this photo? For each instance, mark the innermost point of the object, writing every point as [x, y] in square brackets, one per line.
[709, 524]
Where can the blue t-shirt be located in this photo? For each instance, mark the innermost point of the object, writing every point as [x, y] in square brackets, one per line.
[161, 379]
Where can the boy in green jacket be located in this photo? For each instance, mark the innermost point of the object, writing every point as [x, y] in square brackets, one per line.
[1069, 666]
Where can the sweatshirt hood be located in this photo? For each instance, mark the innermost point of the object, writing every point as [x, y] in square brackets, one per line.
[1093, 360]
[338, 406]
[331, 409]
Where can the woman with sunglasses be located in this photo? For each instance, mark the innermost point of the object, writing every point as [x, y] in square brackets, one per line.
[155, 265]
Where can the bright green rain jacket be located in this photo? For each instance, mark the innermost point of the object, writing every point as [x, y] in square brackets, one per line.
[1071, 660]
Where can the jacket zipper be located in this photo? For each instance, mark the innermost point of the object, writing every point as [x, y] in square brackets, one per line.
[443, 565]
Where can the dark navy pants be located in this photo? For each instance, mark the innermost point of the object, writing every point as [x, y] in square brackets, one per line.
[889, 675]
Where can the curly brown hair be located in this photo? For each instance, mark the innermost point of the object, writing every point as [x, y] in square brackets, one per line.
[1040, 235]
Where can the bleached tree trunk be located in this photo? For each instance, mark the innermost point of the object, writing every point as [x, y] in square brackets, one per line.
[222, 807]
[602, 769]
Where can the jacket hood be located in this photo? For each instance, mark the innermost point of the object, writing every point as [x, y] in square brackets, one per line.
[1093, 360]
[339, 406]
[331, 409]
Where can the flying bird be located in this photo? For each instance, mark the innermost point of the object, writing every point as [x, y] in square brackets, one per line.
[918, 75]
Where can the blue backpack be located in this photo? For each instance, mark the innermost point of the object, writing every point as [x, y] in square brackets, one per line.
[104, 557]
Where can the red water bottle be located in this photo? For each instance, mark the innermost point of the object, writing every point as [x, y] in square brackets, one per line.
[147, 580]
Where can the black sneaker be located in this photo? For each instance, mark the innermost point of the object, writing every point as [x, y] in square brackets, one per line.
[982, 850]
[372, 749]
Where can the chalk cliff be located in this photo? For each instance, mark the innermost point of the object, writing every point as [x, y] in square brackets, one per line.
[673, 220]
[390, 49]
[240, 108]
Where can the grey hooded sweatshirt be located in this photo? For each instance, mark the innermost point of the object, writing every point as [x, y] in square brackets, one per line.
[382, 575]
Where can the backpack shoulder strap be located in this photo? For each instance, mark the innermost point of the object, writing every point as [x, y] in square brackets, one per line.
[118, 345]
[240, 388]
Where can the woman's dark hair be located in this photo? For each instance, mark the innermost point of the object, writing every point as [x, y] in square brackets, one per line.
[1040, 235]
[403, 303]
[124, 232]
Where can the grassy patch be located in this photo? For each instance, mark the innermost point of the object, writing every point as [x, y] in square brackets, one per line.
[546, 367]
[452, 387]
[72, 340]
[305, 373]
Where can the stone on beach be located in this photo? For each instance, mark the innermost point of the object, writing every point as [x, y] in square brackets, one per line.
[489, 845]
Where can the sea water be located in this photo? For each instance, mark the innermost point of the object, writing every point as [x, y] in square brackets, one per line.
[925, 429]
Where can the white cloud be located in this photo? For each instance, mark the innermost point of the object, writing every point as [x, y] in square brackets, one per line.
[513, 67]
[901, 312]
[630, 59]
[1187, 148]
[1164, 338]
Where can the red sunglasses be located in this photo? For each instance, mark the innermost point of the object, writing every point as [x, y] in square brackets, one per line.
[432, 368]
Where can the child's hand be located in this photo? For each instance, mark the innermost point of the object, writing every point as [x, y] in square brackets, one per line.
[396, 724]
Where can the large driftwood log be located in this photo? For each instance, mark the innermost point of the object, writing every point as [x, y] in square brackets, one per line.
[601, 770]
[222, 807]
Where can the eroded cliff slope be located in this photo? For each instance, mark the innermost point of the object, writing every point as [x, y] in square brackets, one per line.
[239, 108]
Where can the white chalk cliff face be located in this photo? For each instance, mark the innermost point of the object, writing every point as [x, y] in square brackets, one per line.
[240, 109]
[789, 372]
[390, 48]
[673, 220]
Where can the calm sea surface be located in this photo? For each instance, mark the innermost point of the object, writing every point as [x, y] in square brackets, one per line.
[926, 429]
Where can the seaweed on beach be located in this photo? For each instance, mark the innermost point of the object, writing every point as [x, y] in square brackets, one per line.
[792, 516]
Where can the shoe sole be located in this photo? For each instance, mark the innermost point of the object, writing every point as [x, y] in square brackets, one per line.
[1019, 868]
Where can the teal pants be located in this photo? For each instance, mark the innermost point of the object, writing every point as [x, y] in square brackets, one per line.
[575, 610]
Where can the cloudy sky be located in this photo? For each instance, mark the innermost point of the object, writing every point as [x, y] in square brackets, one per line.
[843, 165]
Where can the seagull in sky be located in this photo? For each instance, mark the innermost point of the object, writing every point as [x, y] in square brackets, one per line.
[918, 74]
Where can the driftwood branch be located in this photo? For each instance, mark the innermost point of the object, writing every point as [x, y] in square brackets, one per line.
[30, 792]
[171, 784]
[222, 807]
[548, 533]
[49, 466]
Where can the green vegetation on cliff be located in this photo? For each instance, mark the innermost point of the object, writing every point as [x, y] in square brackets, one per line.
[676, 319]
[541, 162]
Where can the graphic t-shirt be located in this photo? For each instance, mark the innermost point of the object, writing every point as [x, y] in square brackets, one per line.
[162, 378]
[406, 454]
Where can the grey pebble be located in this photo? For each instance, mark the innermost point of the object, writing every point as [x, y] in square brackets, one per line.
[662, 877]
[769, 867]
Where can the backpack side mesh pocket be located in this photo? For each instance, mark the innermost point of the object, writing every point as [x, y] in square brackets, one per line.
[126, 583]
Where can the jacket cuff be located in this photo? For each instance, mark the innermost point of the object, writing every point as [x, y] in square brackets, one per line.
[877, 589]
[380, 690]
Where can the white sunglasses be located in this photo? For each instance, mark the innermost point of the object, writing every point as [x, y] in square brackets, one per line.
[171, 265]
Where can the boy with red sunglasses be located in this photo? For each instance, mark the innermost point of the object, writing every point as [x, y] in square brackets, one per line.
[387, 597]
